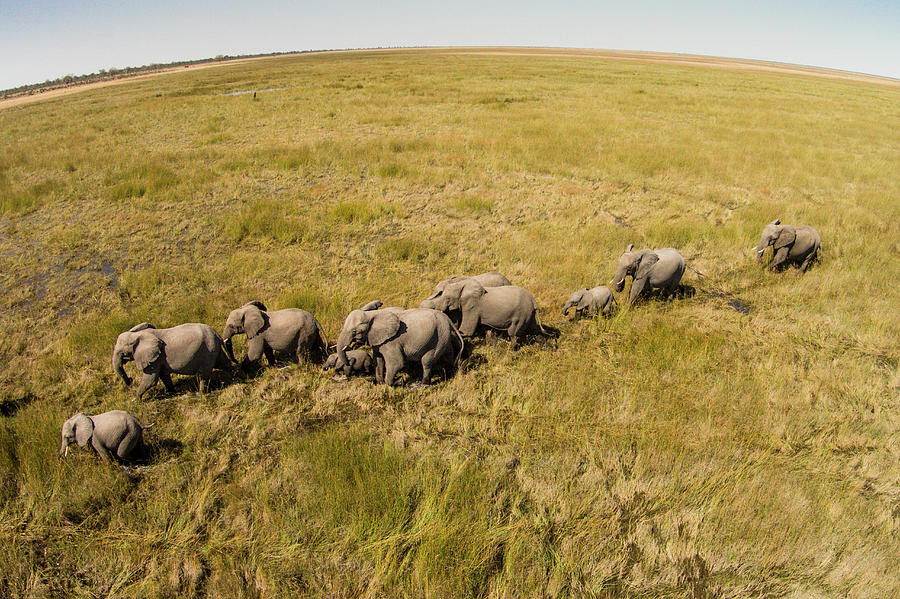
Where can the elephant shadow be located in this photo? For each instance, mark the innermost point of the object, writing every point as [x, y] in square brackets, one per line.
[191, 383]
[9, 407]
[159, 450]
[663, 295]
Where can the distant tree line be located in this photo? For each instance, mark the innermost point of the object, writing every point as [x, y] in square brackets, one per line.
[113, 73]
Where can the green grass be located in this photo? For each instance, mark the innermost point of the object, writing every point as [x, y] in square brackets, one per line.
[680, 449]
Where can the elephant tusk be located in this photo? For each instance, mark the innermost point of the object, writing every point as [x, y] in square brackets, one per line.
[66, 453]
[760, 251]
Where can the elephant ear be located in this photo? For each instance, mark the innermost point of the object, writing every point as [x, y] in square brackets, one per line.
[254, 321]
[383, 326]
[785, 238]
[84, 429]
[584, 299]
[147, 350]
[647, 262]
[470, 293]
[258, 304]
[141, 327]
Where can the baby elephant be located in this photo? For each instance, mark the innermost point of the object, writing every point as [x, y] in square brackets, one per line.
[793, 244]
[112, 434]
[598, 300]
[360, 363]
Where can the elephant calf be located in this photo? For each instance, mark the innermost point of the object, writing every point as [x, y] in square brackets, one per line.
[114, 434]
[186, 349]
[360, 363]
[292, 332]
[793, 244]
[650, 269]
[598, 300]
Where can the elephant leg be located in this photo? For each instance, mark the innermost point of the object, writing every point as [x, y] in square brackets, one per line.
[148, 380]
[126, 447]
[637, 287]
[102, 451]
[429, 360]
[379, 368]
[166, 378]
[255, 349]
[809, 260]
[780, 258]
[205, 380]
[393, 362]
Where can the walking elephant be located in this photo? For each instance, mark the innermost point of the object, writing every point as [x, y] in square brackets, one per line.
[401, 338]
[508, 308]
[158, 353]
[485, 279]
[293, 332]
[114, 434]
[649, 269]
[598, 300]
[793, 244]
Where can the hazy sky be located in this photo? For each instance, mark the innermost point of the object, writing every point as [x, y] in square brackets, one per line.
[45, 39]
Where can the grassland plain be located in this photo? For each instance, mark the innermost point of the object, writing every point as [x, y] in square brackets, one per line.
[680, 449]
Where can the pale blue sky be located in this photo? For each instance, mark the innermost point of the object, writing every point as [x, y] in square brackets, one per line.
[45, 39]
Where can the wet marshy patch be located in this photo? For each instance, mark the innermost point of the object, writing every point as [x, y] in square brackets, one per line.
[732, 301]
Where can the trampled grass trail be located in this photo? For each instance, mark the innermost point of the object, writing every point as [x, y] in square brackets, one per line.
[741, 442]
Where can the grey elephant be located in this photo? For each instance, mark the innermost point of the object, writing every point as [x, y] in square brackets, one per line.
[402, 338]
[650, 269]
[793, 244]
[360, 362]
[114, 434]
[598, 300]
[485, 279]
[292, 332]
[508, 308]
[193, 349]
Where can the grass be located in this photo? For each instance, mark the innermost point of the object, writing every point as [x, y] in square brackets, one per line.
[685, 449]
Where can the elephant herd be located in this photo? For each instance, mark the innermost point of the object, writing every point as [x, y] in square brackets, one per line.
[428, 339]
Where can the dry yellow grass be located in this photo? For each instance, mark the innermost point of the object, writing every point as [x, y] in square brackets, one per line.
[681, 449]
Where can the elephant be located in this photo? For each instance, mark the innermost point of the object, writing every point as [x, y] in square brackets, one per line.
[507, 308]
[185, 349]
[598, 300]
[793, 244]
[360, 362]
[398, 338]
[650, 269]
[485, 279]
[293, 332]
[114, 434]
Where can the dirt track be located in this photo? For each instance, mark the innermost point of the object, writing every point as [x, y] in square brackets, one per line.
[658, 57]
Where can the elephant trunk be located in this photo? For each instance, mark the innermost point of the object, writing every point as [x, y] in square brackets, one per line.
[343, 342]
[568, 307]
[118, 362]
[227, 346]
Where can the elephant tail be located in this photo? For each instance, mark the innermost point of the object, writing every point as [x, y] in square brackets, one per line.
[699, 274]
[323, 340]
[462, 346]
